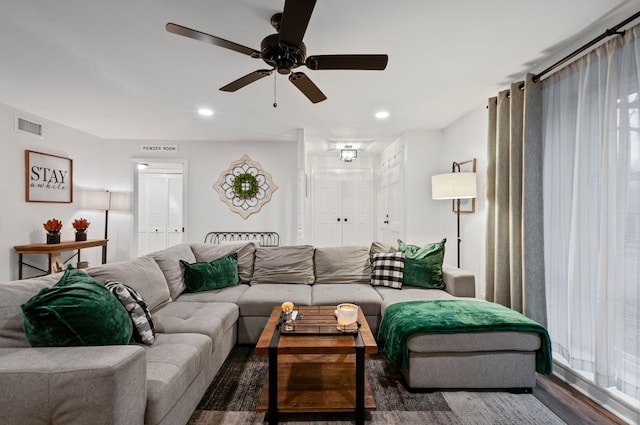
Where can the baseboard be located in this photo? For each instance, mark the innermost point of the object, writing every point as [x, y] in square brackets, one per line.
[608, 399]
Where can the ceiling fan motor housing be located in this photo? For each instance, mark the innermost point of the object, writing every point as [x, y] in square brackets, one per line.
[281, 56]
[285, 51]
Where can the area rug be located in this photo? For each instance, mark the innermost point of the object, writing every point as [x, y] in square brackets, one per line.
[233, 395]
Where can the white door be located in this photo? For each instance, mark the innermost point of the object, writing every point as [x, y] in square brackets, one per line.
[356, 208]
[383, 205]
[159, 208]
[389, 201]
[341, 207]
[395, 202]
[327, 208]
[175, 229]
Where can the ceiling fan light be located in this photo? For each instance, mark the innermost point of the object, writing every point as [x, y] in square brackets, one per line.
[381, 115]
[205, 112]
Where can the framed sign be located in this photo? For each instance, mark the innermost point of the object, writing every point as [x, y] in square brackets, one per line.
[48, 178]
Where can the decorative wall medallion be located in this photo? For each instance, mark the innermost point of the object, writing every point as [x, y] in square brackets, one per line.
[245, 187]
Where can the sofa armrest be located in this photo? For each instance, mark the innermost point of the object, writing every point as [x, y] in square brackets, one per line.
[458, 282]
[104, 385]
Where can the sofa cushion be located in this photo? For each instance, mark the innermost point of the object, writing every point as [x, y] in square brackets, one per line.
[285, 264]
[169, 262]
[76, 311]
[364, 296]
[423, 265]
[13, 295]
[342, 264]
[215, 274]
[143, 274]
[211, 319]
[174, 362]
[259, 300]
[381, 248]
[205, 252]
[388, 270]
[230, 294]
[143, 329]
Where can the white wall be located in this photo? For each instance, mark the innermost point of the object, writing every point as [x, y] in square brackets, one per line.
[466, 139]
[102, 164]
[21, 221]
[429, 152]
[206, 160]
[422, 159]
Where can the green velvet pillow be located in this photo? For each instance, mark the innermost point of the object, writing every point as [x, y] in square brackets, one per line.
[77, 310]
[423, 266]
[213, 275]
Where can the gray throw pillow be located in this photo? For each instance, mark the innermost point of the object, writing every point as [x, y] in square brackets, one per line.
[143, 329]
[285, 264]
[342, 264]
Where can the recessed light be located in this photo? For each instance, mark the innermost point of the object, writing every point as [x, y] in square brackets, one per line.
[381, 115]
[205, 112]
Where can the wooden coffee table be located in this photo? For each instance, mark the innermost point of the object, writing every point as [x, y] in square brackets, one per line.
[316, 368]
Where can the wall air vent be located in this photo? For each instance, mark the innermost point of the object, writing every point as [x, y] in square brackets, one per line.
[30, 127]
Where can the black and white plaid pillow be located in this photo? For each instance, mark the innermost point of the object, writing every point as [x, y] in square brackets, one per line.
[143, 329]
[388, 269]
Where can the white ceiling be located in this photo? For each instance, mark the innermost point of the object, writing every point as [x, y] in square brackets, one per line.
[110, 69]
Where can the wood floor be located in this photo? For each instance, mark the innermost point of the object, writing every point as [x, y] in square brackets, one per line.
[570, 405]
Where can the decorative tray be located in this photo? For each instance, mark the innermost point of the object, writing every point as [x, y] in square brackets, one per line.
[315, 323]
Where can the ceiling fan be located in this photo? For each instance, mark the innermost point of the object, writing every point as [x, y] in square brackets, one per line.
[285, 51]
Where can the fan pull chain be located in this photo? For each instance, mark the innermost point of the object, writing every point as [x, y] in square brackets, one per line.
[275, 105]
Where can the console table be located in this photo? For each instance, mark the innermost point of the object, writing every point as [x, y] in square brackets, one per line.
[54, 253]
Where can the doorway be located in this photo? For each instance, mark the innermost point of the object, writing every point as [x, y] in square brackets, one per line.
[159, 209]
[341, 207]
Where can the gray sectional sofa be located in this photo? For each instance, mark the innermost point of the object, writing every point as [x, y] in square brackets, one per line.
[195, 332]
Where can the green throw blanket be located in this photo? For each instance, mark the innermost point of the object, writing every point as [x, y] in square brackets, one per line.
[403, 320]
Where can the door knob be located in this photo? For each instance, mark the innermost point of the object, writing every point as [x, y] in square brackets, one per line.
[345, 219]
[338, 218]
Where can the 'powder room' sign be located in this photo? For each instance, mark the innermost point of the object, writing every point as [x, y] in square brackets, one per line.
[49, 178]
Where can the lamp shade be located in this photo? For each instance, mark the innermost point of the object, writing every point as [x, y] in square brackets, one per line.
[94, 199]
[454, 186]
[120, 201]
[104, 200]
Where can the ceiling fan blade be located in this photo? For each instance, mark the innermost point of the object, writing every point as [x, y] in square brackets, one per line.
[363, 62]
[307, 87]
[246, 80]
[211, 39]
[295, 19]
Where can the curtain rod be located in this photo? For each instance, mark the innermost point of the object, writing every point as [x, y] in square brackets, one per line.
[607, 33]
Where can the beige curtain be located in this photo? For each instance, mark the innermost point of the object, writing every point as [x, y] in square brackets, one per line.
[515, 243]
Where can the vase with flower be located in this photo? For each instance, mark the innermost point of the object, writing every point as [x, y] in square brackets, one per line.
[53, 228]
[81, 225]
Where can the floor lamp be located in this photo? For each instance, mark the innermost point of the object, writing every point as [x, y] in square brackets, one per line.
[455, 185]
[107, 201]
